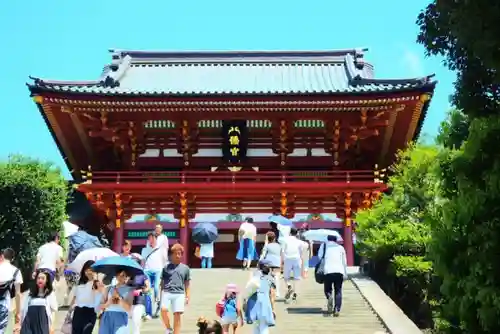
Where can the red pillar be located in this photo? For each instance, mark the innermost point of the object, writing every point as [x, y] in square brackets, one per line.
[118, 238]
[184, 241]
[348, 243]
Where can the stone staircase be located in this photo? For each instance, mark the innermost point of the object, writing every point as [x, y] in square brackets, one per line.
[304, 316]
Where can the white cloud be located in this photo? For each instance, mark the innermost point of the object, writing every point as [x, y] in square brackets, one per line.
[412, 62]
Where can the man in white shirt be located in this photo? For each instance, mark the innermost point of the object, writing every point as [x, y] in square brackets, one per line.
[292, 262]
[49, 256]
[9, 276]
[335, 272]
[154, 258]
[247, 234]
[161, 239]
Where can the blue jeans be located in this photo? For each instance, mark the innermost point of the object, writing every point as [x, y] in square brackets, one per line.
[154, 277]
[206, 262]
[149, 305]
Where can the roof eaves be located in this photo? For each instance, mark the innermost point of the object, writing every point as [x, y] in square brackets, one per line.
[56, 140]
[46, 82]
[417, 82]
[108, 91]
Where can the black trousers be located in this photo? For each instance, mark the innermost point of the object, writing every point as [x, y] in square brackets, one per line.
[333, 283]
[84, 319]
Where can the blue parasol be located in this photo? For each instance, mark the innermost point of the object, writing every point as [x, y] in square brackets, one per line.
[204, 233]
[280, 220]
[110, 265]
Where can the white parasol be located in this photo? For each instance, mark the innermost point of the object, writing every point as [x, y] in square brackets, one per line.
[92, 254]
[321, 235]
[69, 228]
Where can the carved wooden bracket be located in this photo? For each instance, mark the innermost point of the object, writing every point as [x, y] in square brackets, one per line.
[119, 209]
[183, 220]
[347, 209]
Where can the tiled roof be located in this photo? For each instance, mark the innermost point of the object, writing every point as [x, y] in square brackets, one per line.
[235, 73]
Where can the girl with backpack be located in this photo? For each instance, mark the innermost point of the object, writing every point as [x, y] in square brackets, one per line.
[229, 309]
[259, 308]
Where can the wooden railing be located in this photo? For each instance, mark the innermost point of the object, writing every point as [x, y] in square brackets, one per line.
[234, 177]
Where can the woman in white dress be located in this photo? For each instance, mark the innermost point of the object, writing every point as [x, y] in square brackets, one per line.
[247, 235]
[206, 255]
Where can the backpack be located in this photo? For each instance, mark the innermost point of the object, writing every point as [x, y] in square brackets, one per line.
[8, 287]
[319, 269]
[220, 306]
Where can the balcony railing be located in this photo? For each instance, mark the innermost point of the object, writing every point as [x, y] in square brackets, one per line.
[234, 177]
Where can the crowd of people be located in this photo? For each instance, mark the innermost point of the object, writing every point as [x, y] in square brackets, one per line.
[122, 305]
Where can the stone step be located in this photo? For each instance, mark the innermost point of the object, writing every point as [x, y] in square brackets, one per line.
[303, 316]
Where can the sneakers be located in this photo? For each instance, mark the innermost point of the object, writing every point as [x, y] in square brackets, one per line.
[169, 331]
[329, 305]
[288, 292]
[294, 297]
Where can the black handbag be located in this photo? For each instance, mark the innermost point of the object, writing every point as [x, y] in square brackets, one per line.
[319, 269]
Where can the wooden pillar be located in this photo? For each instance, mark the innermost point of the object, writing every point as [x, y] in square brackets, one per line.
[184, 227]
[118, 230]
[118, 236]
[348, 245]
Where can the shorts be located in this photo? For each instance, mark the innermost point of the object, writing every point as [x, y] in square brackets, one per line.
[173, 302]
[229, 320]
[292, 266]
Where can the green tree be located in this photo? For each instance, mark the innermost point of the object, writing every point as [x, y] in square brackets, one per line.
[465, 241]
[454, 130]
[395, 232]
[471, 47]
[33, 199]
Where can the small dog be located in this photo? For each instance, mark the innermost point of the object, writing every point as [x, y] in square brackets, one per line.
[208, 326]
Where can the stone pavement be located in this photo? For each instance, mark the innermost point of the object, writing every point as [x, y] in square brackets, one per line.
[306, 315]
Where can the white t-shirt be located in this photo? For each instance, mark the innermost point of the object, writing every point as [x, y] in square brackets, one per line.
[292, 248]
[85, 296]
[157, 260]
[7, 272]
[247, 230]
[161, 241]
[48, 255]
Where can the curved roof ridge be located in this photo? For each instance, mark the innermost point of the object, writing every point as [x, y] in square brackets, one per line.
[358, 80]
[42, 82]
[235, 53]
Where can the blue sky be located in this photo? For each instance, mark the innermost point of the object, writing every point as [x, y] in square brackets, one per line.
[69, 40]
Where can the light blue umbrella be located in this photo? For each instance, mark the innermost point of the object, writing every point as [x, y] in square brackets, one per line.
[321, 235]
[110, 265]
[280, 220]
